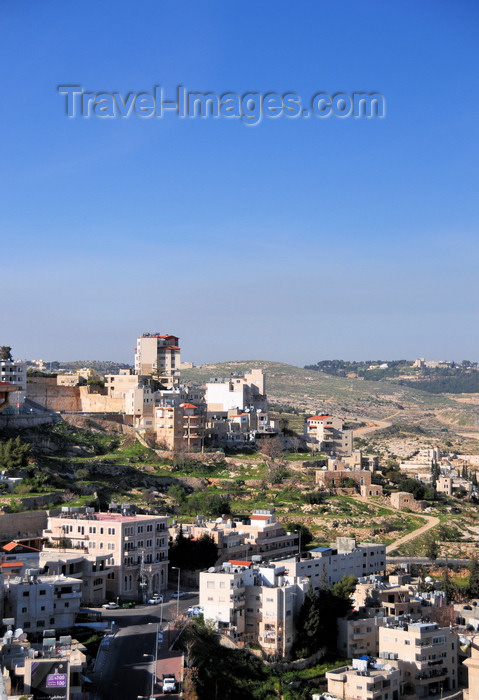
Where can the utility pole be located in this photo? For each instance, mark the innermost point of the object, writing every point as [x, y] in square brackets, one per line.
[143, 578]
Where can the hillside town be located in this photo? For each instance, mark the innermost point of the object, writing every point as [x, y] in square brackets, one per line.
[83, 585]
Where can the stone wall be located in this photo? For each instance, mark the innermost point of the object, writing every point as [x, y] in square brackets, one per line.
[22, 525]
[44, 391]
[23, 421]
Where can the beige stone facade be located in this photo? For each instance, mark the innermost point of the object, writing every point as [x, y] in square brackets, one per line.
[362, 682]
[426, 655]
[158, 356]
[326, 433]
[472, 664]
[138, 545]
[253, 603]
[403, 499]
[179, 426]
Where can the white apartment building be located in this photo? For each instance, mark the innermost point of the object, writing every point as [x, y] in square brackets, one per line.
[237, 393]
[253, 603]
[14, 373]
[158, 356]
[327, 434]
[237, 410]
[137, 545]
[91, 569]
[39, 602]
[326, 565]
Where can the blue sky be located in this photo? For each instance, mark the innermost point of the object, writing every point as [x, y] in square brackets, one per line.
[293, 240]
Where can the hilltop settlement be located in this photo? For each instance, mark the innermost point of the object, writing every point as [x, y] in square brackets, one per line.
[198, 539]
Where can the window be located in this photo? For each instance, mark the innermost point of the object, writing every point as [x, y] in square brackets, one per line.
[25, 594]
[24, 610]
[42, 591]
[210, 584]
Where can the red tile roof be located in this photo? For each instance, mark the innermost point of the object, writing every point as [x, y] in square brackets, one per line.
[11, 545]
[318, 417]
[240, 562]
[11, 564]
[260, 517]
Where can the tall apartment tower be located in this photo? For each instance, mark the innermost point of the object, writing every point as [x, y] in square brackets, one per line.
[158, 356]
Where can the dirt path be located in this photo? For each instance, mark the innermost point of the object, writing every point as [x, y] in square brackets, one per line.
[430, 522]
[375, 424]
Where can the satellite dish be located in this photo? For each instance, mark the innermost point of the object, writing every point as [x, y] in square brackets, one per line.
[211, 570]
[9, 633]
[18, 633]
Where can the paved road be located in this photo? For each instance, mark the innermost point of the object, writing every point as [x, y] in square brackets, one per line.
[127, 670]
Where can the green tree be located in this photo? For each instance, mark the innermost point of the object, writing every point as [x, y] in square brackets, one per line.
[473, 584]
[305, 534]
[432, 549]
[14, 454]
[6, 353]
[449, 586]
[317, 618]
[193, 554]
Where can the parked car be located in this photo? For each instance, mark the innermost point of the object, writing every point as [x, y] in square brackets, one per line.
[155, 599]
[194, 611]
[178, 594]
[110, 606]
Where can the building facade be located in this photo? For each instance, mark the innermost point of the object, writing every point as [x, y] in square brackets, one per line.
[158, 356]
[137, 545]
[324, 433]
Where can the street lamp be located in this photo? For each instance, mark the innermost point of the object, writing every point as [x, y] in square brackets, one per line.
[177, 568]
[153, 673]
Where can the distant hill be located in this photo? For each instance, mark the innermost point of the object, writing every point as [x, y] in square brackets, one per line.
[312, 390]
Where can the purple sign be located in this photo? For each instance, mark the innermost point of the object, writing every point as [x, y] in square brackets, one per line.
[57, 680]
